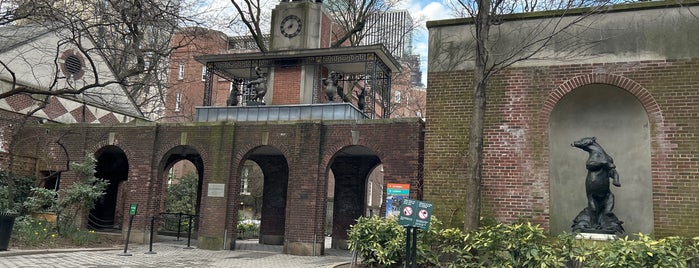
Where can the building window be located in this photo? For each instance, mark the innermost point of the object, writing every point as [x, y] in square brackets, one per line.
[180, 74]
[178, 101]
[397, 96]
[203, 73]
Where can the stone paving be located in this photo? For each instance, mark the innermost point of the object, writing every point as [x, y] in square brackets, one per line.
[172, 254]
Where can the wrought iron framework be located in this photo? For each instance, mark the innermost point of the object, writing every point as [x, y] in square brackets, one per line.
[364, 70]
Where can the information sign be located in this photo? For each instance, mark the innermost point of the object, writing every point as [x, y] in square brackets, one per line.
[133, 208]
[395, 194]
[414, 213]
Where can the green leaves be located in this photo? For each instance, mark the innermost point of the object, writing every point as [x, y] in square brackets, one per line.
[182, 196]
[378, 241]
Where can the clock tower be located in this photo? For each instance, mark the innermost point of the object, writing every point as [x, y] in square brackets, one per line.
[299, 25]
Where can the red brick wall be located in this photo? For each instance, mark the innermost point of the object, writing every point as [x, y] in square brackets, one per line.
[515, 174]
[325, 30]
[287, 85]
[190, 44]
[308, 148]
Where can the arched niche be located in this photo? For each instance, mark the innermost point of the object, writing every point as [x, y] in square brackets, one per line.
[620, 123]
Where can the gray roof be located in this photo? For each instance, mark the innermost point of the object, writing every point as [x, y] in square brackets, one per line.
[13, 36]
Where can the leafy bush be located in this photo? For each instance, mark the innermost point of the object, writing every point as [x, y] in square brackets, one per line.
[443, 247]
[382, 242]
[378, 241]
[248, 229]
[40, 199]
[81, 237]
[645, 252]
[181, 197]
[22, 188]
[31, 232]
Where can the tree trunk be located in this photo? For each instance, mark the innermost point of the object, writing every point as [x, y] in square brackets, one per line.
[474, 155]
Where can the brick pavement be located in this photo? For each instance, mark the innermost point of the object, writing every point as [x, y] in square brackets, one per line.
[172, 254]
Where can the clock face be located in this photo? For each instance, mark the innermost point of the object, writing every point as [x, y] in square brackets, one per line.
[291, 26]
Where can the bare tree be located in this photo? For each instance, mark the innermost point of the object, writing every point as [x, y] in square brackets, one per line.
[250, 14]
[488, 59]
[133, 36]
[110, 53]
[355, 19]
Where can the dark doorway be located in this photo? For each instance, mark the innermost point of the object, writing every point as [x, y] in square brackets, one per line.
[348, 181]
[275, 173]
[113, 167]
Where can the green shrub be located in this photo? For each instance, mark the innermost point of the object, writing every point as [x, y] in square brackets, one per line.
[40, 200]
[182, 196]
[248, 230]
[31, 232]
[645, 252]
[378, 241]
[81, 237]
[517, 245]
[382, 242]
[441, 247]
[22, 188]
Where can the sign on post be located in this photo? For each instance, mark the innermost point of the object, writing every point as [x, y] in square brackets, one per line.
[395, 194]
[414, 213]
[133, 208]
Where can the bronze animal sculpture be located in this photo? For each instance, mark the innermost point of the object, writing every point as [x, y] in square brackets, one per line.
[259, 85]
[333, 88]
[597, 217]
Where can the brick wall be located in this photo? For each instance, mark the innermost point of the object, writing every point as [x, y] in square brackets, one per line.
[515, 173]
[287, 85]
[187, 45]
[309, 149]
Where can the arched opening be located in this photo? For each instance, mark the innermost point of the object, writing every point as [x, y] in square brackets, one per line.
[182, 176]
[264, 183]
[620, 123]
[355, 188]
[112, 166]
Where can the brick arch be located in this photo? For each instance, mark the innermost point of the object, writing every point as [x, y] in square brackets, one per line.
[644, 97]
[164, 148]
[653, 112]
[332, 150]
[244, 152]
[101, 144]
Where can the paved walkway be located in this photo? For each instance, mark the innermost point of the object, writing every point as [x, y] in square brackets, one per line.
[248, 253]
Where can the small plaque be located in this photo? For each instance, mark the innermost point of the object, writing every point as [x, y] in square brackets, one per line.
[216, 190]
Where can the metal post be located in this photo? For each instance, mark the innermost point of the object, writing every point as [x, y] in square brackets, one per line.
[150, 249]
[189, 232]
[414, 257]
[128, 235]
[179, 225]
[407, 247]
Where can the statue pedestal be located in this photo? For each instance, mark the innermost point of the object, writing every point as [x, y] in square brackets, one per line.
[596, 236]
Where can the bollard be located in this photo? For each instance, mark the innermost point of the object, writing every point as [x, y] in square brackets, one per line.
[189, 232]
[179, 225]
[150, 249]
[128, 234]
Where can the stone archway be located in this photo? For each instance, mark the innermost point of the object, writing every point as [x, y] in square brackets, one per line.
[175, 164]
[621, 124]
[275, 179]
[348, 175]
[112, 166]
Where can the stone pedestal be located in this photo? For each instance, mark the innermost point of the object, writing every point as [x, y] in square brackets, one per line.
[596, 236]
